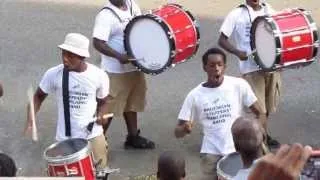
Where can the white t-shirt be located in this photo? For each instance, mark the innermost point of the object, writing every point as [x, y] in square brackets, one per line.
[108, 28]
[238, 25]
[84, 88]
[216, 109]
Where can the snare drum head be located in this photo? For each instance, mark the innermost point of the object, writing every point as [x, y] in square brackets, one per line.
[66, 148]
[263, 40]
[147, 40]
[229, 165]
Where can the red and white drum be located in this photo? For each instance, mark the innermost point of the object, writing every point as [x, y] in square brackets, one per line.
[285, 39]
[228, 166]
[68, 158]
[167, 36]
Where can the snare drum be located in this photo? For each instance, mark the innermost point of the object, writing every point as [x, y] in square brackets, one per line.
[71, 157]
[285, 39]
[167, 36]
[228, 166]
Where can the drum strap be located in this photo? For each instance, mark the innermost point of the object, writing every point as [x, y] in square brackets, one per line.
[66, 105]
[118, 17]
[244, 6]
[114, 13]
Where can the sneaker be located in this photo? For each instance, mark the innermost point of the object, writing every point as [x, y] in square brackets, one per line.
[272, 142]
[138, 142]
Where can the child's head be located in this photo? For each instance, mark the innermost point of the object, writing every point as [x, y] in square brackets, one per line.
[171, 166]
[7, 166]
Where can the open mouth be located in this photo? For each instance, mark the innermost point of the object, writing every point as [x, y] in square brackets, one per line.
[217, 77]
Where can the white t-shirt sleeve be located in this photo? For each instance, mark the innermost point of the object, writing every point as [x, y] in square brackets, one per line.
[248, 96]
[47, 81]
[229, 24]
[188, 109]
[103, 25]
[270, 10]
[103, 89]
[135, 8]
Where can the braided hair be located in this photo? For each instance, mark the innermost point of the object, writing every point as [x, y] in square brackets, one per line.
[7, 166]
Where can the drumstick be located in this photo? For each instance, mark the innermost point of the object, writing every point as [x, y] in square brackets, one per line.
[106, 116]
[251, 55]
[32, 115]
[134, 59]
[192, 114]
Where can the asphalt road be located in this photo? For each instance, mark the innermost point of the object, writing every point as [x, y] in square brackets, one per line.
[29, 34]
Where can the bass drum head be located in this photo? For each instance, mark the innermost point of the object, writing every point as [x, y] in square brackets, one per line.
[263, 41]
[229, 165]
[148, 41]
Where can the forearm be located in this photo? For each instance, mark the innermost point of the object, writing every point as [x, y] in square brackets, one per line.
[102, 108]
[226, 45]
[105, 49]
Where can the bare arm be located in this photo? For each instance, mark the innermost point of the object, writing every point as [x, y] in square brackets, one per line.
[256, 109]
[183, 128]
[38, 97]
[226, 45]
[102, 110]
[105, 49]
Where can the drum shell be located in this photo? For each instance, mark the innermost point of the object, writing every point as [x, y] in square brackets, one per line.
[79, 163]
[292, 39]
[295, 36]
[184, 29]
[180, 29]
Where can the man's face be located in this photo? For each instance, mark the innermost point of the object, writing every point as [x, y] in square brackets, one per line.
[215, 68]
[253, 3]
[70, 60]
[118, 3]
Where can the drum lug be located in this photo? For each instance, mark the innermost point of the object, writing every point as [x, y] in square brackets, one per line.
[158, 19]
[171, 35]
[173, 53]
[269, 19]
[276, 32]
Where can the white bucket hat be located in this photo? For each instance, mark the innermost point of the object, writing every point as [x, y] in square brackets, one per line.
[77, 44]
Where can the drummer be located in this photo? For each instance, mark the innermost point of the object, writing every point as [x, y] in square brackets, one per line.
[216, 104]
[88, 90]
[127, 84]
[265, 85]
[248, 141]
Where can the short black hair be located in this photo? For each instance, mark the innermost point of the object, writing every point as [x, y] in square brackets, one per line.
[7, 166]
[205, 56]
[171, 166]
[247, 136]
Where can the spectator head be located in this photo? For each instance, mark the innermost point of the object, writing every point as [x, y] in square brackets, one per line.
[248, 138]
[171, 166]
[7, 166]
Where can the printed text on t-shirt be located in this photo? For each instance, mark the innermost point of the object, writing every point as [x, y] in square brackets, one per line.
[218, 114]
[77, 98]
